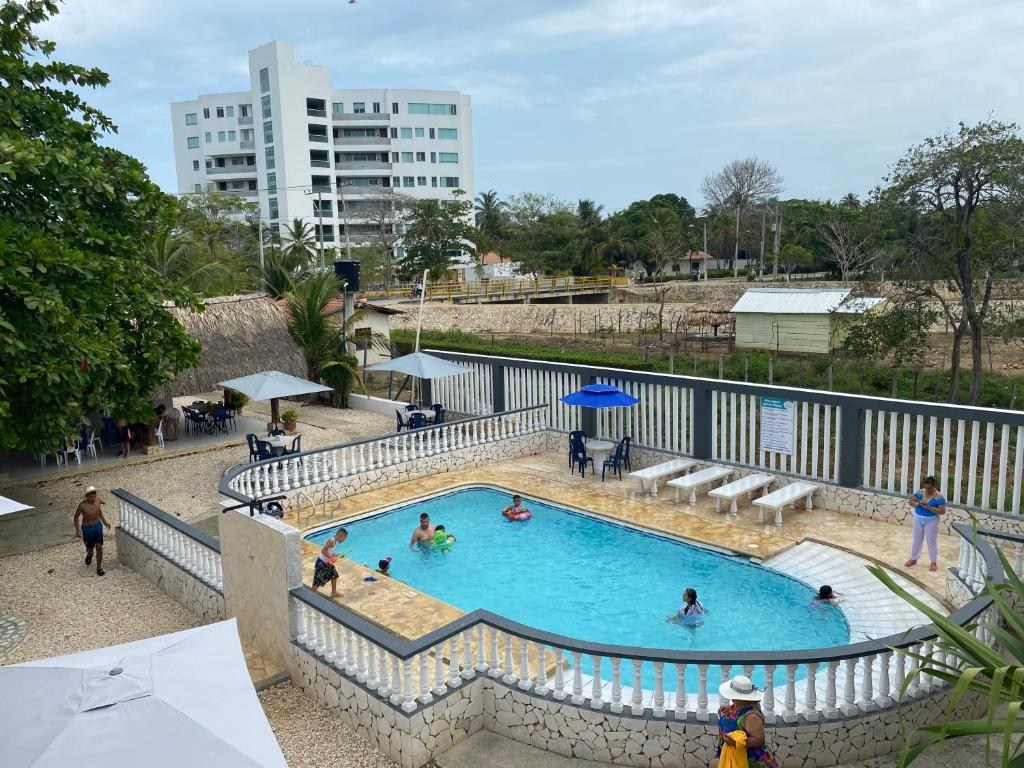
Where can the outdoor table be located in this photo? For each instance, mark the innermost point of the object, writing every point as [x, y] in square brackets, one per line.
[428, 416]
[281, 443]
[599, 450]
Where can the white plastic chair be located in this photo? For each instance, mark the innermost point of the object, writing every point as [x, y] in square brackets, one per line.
[71, 446]
[159, 434]
[91, 445]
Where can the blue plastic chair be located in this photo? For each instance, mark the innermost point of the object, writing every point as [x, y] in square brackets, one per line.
[219, 420]
[613, 462]
[263, 450]
[438, 413]
[275, 432]
[400, 422]
[412, 407]
[251, 440]
[575, 437]
[296, 445]
[580, 460]
[625, 453]
[417, 420]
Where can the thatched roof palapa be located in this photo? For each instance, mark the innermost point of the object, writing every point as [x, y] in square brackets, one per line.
[240, 335]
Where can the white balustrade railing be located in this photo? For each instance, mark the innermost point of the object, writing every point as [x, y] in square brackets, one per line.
[301, 470]
[187, 547]
[840, 682]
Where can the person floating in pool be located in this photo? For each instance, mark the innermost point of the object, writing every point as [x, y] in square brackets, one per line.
[692, 612]
[516, 511]
[443, 541]
[323, 568]
[384, 566]
[423, 534]
[826, 596]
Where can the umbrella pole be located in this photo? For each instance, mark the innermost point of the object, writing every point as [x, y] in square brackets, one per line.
[274, 408]
[419, 318]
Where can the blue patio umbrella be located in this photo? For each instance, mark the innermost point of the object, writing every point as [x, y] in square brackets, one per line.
[599, 396]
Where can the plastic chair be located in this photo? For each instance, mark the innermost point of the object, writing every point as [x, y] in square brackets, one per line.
[219, 420]
[296, 445]
[400, 422]
[412, 407]
[91, 444]
[251, 440]
[159, 434]
[613, 462]
[626, 441]
[275, 432]
[438, 410]
[263, 450]
[416, 420]
[575, 437]
[580, 459]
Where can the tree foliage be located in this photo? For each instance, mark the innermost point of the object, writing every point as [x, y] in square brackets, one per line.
[436, 232]
[82, 323]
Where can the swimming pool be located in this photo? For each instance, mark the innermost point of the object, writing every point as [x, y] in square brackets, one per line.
[584, 577]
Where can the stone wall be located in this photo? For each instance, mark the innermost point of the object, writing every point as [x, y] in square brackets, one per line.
[196, 595]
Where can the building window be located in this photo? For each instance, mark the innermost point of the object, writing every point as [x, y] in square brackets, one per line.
[320, 183]
[406, 133]
[448, 133]
[394, 133]
[433, 157]
[238, 161]
[419, 133]
[325, 207]
[433, 181]
[272, 183]
[268, 133]
[195, 165]
[264, 80]
[220, 162]
[191, 118]
[270, 158]
[208, 137]
[232, 135]
[229, 111]
[250, 160]
[220, 111]
[222, 186]
[359, 107]
[265, 102]
[252, 185]
[396, 181]
[272, 208]
[328, 236]
[246, 134]
[206, 113]
[448, 157]
[222, 136]
[450, 182]
[193, 142]
[431, 109]
[319, 158]
[376, 107]
[394, 107]
[421, 181]
[243, 110]
[197, 187]
[338, 107]
[408, 181]
[407, 157]
[431, 133]
[394, 157]
[421, 157]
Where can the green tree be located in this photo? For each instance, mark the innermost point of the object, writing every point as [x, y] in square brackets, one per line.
[177, 261]
[964, 192]
[372, 263]
[640, 231]
[792, 257]
[299, 242]
[82, 323]
[593, 234]
[436, 232]
[552, 244]
[490, 218]
[211, 224]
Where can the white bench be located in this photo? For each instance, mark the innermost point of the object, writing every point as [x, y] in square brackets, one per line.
[732, 491]
[698, 479]
[658, 471]
[783, 497]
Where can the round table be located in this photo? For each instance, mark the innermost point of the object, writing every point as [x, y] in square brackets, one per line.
[428, 416]
[281, 443]
[599, 450]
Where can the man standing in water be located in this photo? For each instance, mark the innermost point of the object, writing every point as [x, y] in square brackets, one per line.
[90, 529]
[422, 534]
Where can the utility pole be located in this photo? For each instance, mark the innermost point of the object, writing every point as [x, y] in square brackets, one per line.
[320, 214]
[778, 230]
[736, 245]
[344, 221]
[760, 261]
[705, 250]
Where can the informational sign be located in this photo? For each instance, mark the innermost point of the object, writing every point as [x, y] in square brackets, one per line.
[778, 425]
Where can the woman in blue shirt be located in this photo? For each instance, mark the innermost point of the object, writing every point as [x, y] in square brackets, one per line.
[928, 504]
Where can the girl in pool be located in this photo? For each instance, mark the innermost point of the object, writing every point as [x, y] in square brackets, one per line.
[443, 540]
[826, 596]
[692, 612]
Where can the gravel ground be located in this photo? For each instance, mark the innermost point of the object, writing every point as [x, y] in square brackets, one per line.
[312, 737]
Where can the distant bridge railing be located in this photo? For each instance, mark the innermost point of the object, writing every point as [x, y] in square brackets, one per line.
[499, 288]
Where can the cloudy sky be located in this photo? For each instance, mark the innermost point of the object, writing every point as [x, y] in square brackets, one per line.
[610, 99]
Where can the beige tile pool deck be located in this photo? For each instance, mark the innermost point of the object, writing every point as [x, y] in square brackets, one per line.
[411, 613]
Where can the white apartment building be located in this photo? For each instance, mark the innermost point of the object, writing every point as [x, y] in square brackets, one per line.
[297, 147]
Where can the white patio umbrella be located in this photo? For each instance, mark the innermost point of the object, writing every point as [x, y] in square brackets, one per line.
[272, 385]
[176, 700]
[7, 506]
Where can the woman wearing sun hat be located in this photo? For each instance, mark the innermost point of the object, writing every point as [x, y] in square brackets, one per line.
[741, 725]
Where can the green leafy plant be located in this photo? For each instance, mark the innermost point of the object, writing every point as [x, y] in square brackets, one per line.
[995, 674]
[290, 416]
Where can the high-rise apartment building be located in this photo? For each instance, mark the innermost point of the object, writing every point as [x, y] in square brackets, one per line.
[302, 149]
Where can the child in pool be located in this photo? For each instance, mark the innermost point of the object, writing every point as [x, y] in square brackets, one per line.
[443, 539]
[826, 596]
[384, 566]
[692, 611]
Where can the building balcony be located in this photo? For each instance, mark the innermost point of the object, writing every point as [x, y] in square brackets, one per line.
[326, 214]
[247, 144]
[245, 120]
[362, 141]
[316, 137]
[234, 170]
[249, 194]
[316, 112]
[361, 117]
[362, 165]
[361, 191]
[320, 163]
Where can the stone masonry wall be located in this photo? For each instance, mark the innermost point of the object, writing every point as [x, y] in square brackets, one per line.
[200, 598]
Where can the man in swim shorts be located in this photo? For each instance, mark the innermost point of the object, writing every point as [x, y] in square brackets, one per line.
[423, 534]
[90, 528]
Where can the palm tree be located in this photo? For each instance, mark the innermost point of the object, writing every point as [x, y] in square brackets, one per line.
[490, 216]
[849, 200]
[589, 212]
[300, 241]
[179, 261]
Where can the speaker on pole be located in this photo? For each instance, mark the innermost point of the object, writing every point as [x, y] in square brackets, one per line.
[348, 271]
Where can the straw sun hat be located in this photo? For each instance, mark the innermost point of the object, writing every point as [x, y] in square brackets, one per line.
[740, 688]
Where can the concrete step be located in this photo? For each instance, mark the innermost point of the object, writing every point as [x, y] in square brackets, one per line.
[489, 750]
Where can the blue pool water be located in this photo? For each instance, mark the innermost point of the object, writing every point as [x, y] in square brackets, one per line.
[579, 576]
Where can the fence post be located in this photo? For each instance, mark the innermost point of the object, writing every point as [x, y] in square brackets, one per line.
[702, 426]
[850, 448]
[498, 388]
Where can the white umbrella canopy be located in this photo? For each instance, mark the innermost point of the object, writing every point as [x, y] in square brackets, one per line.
[164, 702]
[11, 505]
[272, 385]
[422, 366]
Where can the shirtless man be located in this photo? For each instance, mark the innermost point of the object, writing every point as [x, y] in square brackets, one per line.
[90, 528]
[423, 534]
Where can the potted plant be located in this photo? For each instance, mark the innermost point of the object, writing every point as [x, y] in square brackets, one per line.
[289, 418]
[235, 400]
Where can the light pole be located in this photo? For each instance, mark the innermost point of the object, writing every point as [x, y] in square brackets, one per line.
[319, 192]
[344, 220]
[706, 255]
[259, 238]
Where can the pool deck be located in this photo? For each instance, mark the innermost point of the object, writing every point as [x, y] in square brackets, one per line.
[410, 613]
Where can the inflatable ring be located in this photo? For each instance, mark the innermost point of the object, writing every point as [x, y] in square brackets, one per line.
[519, 516]
[441, 542]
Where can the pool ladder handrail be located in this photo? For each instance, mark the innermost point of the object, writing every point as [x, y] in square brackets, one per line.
[328, 490]
[298, 506]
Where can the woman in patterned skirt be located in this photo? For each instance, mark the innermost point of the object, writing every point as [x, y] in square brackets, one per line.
[741, 711]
